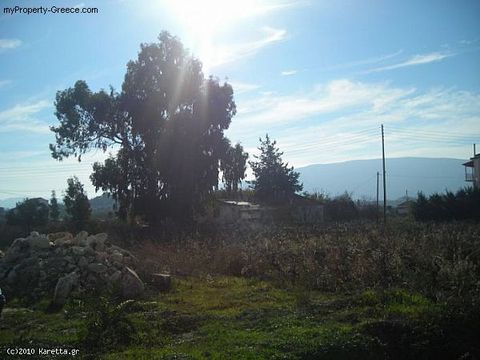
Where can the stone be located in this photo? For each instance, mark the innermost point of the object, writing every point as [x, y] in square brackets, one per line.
[77, 250]
[42, 275]
[100, 257]
[132, 285]
[89, 251]
[102, 237]
[71, 267]
[12, 276]
[37, 241]
[63, 241]
[29, 268]
[61, 238]
[115, 277]
[18, 250]
[116, 256]
[82, 262]
[162, 282]
[63, 288]
[97, 242]
[97, 268]
[81, 238]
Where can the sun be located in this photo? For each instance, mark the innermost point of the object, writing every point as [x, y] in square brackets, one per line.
[205, 20]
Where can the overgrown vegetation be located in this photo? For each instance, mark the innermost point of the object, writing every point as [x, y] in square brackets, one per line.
[76, 203]
[462, 205]
[439, 260]
[219, 317]
[28, 214]
[347, 288]
[339, 291]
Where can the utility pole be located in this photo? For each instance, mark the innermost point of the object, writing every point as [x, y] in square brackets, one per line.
[384, 181]
[378, 175]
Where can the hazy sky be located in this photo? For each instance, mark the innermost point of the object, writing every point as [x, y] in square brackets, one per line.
[318, 76]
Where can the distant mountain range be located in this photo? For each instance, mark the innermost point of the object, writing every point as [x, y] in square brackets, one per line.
[408, 174]
[358, 177]
[10, 203]
[101, 205]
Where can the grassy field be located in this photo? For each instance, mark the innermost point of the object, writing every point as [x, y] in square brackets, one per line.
[347, 292]
[237, 318]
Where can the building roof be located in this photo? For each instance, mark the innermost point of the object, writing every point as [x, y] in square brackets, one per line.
[470, 163]
[303, 200]
[240, 204]
[405, 203]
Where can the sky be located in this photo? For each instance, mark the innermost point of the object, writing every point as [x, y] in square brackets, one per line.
[318, 76]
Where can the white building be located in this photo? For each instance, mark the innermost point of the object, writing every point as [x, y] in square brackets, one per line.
[472, 170]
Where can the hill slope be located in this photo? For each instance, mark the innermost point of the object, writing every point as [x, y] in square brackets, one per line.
[410, 174]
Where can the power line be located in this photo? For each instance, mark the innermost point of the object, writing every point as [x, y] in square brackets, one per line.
[436, 132]
[332, 146]
[46, 173]
[427, 177]
[80, 164]
[412, 137]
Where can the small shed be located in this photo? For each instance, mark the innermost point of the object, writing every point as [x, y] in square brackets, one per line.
[405, 207]
[306, 210]
[227, 211]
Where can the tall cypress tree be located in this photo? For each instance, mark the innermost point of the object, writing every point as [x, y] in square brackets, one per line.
[275, 181]
[54, 211]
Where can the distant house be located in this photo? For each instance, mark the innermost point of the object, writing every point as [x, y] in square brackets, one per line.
[40, 200]
[228, 211]
[306, 210]
[300, 209]
[472, 170]
[405, 207]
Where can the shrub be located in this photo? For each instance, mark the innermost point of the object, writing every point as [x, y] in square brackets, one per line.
[464, 205]
[108, 326]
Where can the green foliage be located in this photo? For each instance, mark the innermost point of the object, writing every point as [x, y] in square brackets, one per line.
[8, 233]
[108, 326]
[409, 291]
[274, 182]
[168, 123]
[233, 167]
[54, 210]
[76, 203]
[341, 208]
[220, 317]
[29, 214]
[110, 177]
[463, 205]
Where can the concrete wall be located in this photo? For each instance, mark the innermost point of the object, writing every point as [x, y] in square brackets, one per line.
[476, 171]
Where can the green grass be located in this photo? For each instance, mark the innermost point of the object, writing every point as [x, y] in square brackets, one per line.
[234, 318]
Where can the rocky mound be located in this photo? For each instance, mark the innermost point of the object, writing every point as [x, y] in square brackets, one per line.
[56, 265]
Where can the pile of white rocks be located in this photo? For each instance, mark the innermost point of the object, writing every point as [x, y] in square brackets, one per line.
[56, 265]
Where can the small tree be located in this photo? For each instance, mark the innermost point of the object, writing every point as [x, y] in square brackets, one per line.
[54, 210]
[275, 181]
[29, 213]
[76, 203]
[233, 167]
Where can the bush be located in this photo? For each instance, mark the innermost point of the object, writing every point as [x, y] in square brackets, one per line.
[464, 205]
[108, 326]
